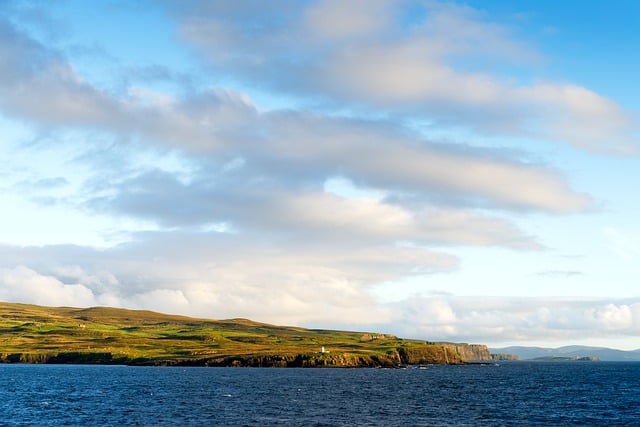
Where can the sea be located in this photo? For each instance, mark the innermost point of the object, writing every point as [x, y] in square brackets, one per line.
[504, 394]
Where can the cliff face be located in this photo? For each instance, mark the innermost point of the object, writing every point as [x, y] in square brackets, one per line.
[406, 354]
[309, 360]
[409, 353]
[470, 352]
[439, 354]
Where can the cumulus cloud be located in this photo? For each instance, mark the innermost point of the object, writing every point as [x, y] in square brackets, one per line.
[308, 294]
[215, 278]
[26, 285]
[508, 319]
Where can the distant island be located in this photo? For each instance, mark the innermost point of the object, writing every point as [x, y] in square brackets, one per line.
[571, 353]
[567, 359]
[102, 335]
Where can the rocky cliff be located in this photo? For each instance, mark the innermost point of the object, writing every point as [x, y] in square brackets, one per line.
[409, 353]
[406, 354]
[469, 352]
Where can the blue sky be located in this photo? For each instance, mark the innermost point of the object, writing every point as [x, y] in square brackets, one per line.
[460, 171]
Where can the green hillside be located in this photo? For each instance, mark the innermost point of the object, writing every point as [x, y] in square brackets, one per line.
[35, 334]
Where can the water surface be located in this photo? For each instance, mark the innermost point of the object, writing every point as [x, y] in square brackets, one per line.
[573, 393]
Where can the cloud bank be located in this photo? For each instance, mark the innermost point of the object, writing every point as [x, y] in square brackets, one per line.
[314, 295]
[235, 212]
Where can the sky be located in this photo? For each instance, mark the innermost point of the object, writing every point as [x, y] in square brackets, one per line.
[443, 170]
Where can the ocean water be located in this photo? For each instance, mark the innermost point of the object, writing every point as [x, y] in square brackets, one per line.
[520, 393]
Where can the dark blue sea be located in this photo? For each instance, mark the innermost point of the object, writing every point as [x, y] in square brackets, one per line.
[512, 393]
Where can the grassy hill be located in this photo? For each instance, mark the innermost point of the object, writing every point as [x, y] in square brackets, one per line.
[35, 334]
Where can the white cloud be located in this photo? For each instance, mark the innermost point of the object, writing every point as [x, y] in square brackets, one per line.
[283, 147]
[580, 117]
[298, 287]
[26, 285]
[508, 319]
[404, 73]
[408, 65]
[217, 276]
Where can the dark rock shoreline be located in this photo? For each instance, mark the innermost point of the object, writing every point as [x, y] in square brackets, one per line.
[426, 354]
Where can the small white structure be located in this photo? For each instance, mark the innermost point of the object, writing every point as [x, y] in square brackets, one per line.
[323, 350]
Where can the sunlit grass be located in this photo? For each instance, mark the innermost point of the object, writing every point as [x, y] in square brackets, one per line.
[142, 336]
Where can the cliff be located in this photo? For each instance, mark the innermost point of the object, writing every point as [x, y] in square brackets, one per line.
[470, 352]
[407, 354]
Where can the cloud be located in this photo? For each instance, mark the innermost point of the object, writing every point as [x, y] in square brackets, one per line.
[234, 198]
[334, 20]
[23, 284]
[207, 281]
[244, 225]
[282, 146]
[509, 319]
[303, 151]
[259, 176]
[30, 73]
[217, 278]
[565, 107]
[404, 62]
[316, 215]
[265, 170]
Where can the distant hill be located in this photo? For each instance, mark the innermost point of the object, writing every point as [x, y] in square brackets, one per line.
[101, 335]
[605, 354]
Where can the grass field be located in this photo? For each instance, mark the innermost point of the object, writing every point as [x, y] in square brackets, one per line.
[30, 333]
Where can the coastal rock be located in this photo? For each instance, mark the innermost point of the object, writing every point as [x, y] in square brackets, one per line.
[470, 352]
[440, 354]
